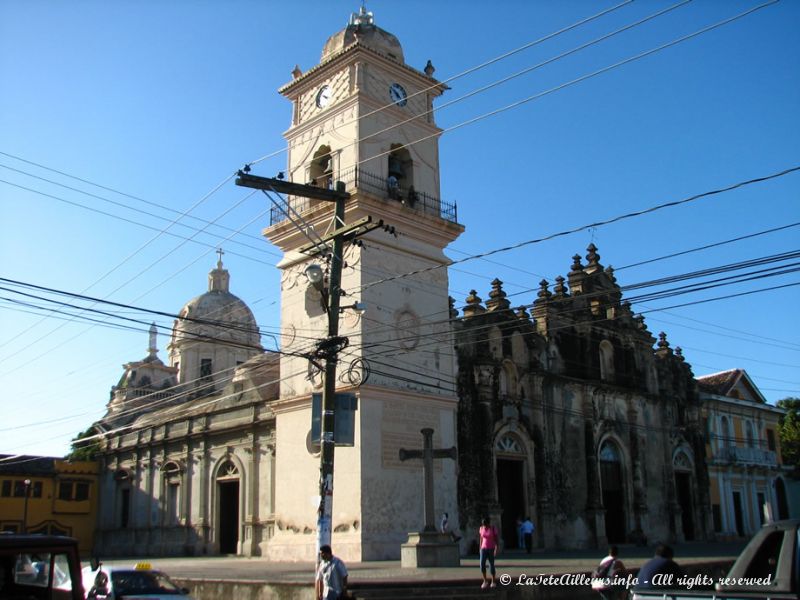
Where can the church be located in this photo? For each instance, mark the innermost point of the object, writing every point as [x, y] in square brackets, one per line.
[568, 411]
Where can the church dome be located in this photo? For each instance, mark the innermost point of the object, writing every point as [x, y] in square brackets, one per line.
[362, 29]
[217, 316]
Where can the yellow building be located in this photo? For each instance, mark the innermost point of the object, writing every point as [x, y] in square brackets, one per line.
[745, 470]
[61, 497]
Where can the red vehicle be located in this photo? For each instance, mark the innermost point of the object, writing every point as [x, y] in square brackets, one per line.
[39, 566]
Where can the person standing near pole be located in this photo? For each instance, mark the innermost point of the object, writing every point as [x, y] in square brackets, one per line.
[331, 581]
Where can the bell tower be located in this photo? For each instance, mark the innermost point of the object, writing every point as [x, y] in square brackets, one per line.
[363, 117]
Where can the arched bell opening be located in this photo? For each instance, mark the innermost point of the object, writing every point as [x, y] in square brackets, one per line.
[400, 172]
[321, 169]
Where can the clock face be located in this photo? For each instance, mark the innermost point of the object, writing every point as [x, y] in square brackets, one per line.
[323, 96]
[398, 94]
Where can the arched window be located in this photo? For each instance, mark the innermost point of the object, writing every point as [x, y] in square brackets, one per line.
[749, 435]
[606, 361]
[681, 462]
[725, 432]
[171, 473]
[321, 171]
[507, 383]
[123, 497]
[508, 444]
[227, 470]
[610, 453]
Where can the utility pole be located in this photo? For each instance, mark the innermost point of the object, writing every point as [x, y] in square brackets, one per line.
[329, 347]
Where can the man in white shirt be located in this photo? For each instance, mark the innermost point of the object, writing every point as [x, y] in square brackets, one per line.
[331, 583]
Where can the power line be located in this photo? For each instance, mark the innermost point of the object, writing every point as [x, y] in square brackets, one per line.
[472, 69]
[499, 82]
[574, 81]
[616, 219]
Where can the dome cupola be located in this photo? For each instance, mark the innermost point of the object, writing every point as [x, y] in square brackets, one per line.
[214, 332]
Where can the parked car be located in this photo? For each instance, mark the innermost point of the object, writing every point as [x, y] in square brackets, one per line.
[768, 568]
[130, 583]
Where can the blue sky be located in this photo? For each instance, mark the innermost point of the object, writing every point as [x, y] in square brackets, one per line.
[164, 101]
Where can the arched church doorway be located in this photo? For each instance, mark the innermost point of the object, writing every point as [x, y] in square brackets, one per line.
[683, 489]
[780, 497]
[613, 489]
[228, 502]
[510, 468]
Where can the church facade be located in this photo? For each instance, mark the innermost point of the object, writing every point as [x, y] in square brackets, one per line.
[572, 413]
[187, 455]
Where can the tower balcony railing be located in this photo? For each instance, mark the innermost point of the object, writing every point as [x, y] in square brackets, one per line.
[359, 180]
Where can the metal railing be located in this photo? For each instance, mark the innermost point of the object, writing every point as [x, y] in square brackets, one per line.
[747, 456]
[358, 180]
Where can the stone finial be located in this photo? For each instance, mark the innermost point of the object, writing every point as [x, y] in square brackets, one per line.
[452, 307]
[497, 297]
[610, 273]
[639, 320]
[592, 259]
[679, 353]
[576, 276]
[560, 289]
[296, 72]
[663, 345]
[429, 69]
[625, 309]
[473, 306]
[522, 313]
[544, 294]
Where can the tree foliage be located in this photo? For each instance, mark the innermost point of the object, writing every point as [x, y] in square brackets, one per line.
[84, 450]
[790, 432]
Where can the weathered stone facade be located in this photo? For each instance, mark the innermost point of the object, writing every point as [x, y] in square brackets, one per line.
[571, 416]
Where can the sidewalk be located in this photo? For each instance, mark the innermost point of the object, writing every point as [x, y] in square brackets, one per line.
[512, 562]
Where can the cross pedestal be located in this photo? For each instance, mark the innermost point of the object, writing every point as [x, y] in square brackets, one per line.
[429, 548]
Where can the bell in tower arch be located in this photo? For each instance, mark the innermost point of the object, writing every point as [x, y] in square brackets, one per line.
[395, 167]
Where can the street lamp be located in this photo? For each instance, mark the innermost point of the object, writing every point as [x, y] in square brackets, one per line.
[27, 484]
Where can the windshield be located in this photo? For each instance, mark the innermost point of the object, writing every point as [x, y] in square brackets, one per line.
[141, 582]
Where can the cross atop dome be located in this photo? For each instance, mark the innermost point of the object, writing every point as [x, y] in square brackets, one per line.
[219, 278]
[363, 17]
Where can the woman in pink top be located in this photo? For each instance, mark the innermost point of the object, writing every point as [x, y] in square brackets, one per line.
[489, 543]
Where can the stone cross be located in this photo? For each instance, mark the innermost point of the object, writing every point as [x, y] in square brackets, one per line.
[428, 454]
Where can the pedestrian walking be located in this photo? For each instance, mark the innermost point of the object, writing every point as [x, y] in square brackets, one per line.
[527, 529]
[604, 576]
[490, 541]
[331, 581]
